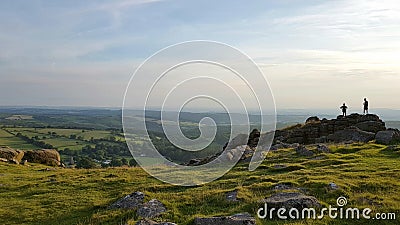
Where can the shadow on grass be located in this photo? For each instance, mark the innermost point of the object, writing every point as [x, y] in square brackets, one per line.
[91, 215]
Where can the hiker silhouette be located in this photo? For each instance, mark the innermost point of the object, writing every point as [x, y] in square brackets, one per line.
[365, 106]
[344, 109]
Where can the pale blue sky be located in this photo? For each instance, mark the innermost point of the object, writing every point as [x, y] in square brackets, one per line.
[316, 54]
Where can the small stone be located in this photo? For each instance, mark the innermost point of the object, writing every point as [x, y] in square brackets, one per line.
[130, 201]
[333, 186]
[151, 209]
[303, 151]
[292, 200]
[280, 166]
[323, 148]
[282, 187]
[232, 196]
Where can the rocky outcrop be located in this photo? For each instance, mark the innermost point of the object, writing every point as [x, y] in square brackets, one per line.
[130, 201]
[48, 157]
[351, 134]
[354, 128]
[371, 126]
[254, 137]
[313, 119]
[237, 219]
[239, 146]
[389, 136]
[11, 155]
[317, 131]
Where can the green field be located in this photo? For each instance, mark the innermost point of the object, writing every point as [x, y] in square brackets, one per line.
[7, 139]
[368, 175]
[59, 138]
[85, 134]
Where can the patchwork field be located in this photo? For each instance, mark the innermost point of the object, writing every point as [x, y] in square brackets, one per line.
[58, 138]
[7, 139]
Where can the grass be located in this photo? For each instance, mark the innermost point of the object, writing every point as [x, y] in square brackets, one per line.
[368, 175]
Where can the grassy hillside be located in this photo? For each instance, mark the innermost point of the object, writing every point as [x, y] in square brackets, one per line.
[367, 174]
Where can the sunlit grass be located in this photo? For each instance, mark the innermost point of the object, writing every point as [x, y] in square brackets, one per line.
[368, 175]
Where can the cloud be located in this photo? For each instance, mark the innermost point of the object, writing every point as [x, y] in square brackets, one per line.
[301, 46]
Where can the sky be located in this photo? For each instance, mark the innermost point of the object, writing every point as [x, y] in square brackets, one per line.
[315, 54]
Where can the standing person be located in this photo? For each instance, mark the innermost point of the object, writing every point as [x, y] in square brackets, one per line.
[365, 105]
[344, 109]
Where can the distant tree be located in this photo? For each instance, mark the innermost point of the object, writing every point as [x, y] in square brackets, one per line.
[72, 136]
[125, 161]
[115, 162]
[86, 163]
[132, 162]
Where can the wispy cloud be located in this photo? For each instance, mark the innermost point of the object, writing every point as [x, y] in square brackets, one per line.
[302, 46]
